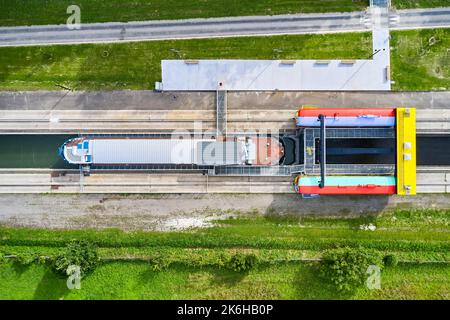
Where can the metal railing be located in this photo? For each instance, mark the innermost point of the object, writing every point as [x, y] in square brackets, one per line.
[272, 171]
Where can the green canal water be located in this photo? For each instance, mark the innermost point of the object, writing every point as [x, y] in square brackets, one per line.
[32, 151]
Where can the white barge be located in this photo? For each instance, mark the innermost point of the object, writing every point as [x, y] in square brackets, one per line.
[203, 152]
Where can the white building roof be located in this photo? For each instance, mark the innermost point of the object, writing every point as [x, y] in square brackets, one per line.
[275, 75]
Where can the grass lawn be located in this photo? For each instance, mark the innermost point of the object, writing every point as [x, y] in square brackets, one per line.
[137, 65]
[421, 59]
[411, 4]
[418, 63]
[423, 234]
[135, 280]
[28, 12]
[420, 238]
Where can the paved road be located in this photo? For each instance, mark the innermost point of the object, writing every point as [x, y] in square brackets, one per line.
[218, 27]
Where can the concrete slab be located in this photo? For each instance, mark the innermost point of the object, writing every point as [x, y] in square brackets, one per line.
[70, 181]
[150, 112]
[168, 212]
[255, 75]
[149, 100]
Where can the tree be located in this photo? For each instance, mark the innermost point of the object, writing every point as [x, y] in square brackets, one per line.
[77, 253]
[241, 262]
[347, 268]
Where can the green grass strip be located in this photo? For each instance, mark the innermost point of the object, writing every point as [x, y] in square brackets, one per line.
[35, 12]
[414, 4]
[29, 12]
[420, 59]
[135, 280]
[258, 233]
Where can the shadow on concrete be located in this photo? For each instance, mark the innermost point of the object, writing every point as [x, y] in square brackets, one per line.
[343, 206]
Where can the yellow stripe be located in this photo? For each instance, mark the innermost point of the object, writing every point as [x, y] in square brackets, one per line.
[406, 151]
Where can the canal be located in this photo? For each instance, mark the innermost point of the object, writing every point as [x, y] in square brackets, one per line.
[41, 151]
[32, 151]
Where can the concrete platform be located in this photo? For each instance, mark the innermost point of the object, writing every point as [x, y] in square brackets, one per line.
[179, 212]
[429, 180]
[151, 100]
[146, 111]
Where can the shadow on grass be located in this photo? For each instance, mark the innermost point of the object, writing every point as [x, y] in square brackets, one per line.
[310, 285]
[293, 206]
[19, 268]
[227, 278]
[235, 285]
[148, 275]
[353, 223]
[51, 287]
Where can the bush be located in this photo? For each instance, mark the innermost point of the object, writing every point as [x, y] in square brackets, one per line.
[78, 253]
[390, 260]
[347, 268]
[158, 262]
[26, 258]
[241, 262]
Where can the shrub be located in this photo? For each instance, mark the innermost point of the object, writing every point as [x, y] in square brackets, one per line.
[390, 260]
[79, 253]
[158, 262]
[347, 268]
[241, 262]
[26, 258]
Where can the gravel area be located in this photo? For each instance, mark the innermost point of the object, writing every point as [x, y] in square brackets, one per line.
[180, 212]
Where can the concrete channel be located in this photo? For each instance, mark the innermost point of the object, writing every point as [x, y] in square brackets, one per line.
[34, 124]
[429, 180]
[59, 112]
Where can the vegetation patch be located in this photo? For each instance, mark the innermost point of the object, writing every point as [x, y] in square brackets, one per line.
[347, 268]
[390, 260]
[413, 4]
[255, 258]
[82, 254]
[137, 65]
[241, 262]
[420, 59]
[135, 280]
[28, 12]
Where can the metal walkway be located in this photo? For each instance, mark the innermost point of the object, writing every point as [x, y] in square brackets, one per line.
[280, 171]
[312, 134]
[221, 113]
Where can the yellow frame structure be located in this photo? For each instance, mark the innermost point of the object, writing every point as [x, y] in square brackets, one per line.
[406, 151]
